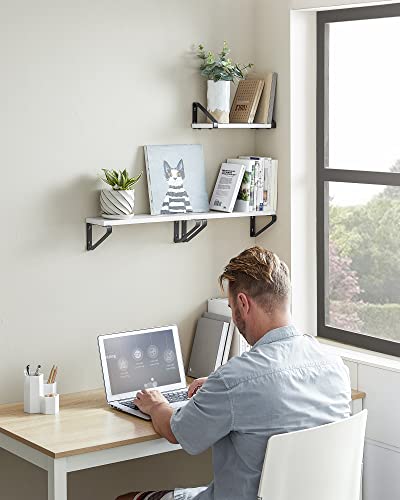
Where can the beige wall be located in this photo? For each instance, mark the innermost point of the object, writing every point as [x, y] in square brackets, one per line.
[84, 85]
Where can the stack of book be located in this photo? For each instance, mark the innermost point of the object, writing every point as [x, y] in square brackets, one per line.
[216, 340]
[246, 184]
[254, 100]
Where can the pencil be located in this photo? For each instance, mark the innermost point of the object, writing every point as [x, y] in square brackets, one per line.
[50, 375]
[54, 375]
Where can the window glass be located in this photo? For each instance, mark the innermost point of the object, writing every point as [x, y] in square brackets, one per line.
[364, 95]
[363, 280]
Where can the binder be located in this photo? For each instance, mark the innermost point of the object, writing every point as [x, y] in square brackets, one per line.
[208, 347]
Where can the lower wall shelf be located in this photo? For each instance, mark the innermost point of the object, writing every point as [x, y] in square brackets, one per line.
[181, 232]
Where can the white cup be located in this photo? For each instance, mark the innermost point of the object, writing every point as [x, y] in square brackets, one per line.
[33, 391]
[50, 388]
[50, 405]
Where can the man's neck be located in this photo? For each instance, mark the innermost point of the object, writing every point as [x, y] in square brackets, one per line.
[270, 323]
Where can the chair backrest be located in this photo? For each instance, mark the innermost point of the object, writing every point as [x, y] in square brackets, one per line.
[321, 463]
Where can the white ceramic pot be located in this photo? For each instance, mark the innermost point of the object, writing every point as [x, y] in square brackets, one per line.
[117, 204]
[218, 99]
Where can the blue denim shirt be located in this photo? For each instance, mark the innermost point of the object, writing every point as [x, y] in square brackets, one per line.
[285, 383]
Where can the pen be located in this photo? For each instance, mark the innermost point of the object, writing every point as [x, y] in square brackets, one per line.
[27, 369]
[37, 370]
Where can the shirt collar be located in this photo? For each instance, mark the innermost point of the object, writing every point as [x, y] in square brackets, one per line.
[277, 334]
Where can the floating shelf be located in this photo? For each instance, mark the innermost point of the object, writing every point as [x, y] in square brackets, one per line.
[196, 106]
[231, 125]
[181, 233]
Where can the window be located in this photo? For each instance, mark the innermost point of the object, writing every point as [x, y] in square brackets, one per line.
[358, 177]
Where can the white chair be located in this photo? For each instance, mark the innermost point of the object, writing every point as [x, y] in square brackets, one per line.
[321, 463]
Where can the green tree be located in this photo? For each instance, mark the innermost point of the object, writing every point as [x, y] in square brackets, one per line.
[370, 236]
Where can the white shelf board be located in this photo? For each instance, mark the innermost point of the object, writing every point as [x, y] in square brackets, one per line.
[148, 219]
[231, 125]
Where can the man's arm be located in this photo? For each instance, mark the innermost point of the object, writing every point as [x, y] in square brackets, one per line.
[154, 404]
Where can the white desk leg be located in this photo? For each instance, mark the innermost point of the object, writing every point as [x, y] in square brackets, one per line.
[57, 480]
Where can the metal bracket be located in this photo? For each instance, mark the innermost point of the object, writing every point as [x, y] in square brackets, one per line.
[89, 244]
[182, 235]
[195, 107]
[254, 232]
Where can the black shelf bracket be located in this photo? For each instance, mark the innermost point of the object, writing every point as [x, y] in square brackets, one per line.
[195, 107]
[89, 242]
[254, 232]
[181, 233]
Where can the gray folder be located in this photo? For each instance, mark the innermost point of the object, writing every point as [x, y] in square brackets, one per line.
[208, 347]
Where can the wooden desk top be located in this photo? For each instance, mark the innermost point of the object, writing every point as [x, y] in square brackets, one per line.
[85, 424]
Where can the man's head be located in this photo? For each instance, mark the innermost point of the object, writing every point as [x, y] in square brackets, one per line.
[259, 292]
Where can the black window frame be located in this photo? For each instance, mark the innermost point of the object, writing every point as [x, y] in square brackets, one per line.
[326, 175]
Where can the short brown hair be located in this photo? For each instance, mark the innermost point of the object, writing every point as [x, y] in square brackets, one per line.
[259, 273]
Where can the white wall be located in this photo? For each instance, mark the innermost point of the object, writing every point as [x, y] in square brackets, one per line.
[84, 86]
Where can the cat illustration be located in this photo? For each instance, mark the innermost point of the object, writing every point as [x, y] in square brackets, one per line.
[176, 200]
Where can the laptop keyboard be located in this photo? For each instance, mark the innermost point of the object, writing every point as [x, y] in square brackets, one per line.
[171, 397]
[176, 396]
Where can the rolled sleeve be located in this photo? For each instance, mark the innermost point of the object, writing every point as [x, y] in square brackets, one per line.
[205, 419]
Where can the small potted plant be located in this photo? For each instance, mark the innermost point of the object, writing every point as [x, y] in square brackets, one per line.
[220, 71]
[118, 202]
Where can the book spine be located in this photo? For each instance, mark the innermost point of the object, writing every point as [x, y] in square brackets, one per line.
[221, 346]
[275, 184]
[252, 190]
[267, 184]
[260, 204]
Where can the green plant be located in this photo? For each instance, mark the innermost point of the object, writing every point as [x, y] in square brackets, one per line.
[119, 180]
[221, 67]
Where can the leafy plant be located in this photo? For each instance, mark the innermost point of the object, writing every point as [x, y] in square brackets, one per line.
[119, 180]
[221, 67]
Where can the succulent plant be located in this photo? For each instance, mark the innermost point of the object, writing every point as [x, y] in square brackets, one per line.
[119, 180]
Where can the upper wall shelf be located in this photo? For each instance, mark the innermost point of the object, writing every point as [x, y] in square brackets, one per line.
[213, 123]
[231, 125]
[181, 232]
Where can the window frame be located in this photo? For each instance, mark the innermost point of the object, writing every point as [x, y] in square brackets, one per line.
[326, 175]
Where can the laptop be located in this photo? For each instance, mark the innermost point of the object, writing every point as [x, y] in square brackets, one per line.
[142, 359]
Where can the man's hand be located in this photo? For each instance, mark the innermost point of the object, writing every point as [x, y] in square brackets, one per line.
[154, 404]
[147, 401]
[195, 386]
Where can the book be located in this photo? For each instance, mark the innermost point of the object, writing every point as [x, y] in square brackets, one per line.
[270, 184]
[250, 164]
[238, 344]
[176, 178]
[227, 187]
[243, 199]
[228, 341]
[208, 346]
[246, 100]
[265, 110]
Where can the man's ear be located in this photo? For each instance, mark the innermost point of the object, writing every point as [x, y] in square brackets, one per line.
[243, 302]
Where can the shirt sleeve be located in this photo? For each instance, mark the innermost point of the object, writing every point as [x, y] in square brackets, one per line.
[205, 419]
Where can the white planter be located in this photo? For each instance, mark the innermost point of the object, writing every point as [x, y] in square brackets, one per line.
[117, 204]
[218, 99]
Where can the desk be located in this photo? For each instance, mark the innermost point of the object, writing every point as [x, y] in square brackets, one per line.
[86, 433]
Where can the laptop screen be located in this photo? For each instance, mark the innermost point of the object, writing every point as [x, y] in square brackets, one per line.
[141, 360]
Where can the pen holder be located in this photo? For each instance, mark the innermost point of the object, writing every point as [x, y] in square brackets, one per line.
[33, 391]
[49, 389]
[50, 404]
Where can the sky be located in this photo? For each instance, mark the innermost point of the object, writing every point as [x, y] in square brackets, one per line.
[364, 102]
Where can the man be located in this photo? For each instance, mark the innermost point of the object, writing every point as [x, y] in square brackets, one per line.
[286, 382]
